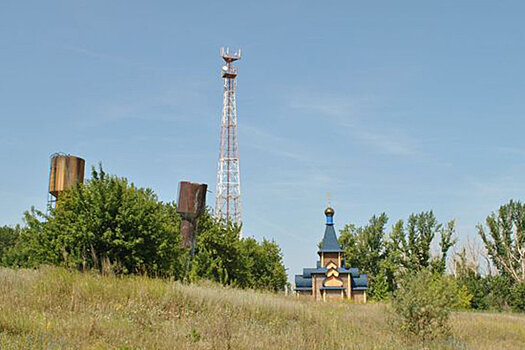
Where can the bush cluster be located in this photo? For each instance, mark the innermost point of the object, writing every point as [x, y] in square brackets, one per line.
[423, 303]
[497, 293]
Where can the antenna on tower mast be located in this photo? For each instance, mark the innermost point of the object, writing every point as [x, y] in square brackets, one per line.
[228, 200]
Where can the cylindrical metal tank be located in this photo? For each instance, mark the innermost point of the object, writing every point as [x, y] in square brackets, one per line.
[66, 171]
[192, 198]
[191, 204]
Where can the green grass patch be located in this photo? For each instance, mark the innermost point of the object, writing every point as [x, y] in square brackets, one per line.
[53, 308]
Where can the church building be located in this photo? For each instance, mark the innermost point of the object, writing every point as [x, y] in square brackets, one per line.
[330, 279]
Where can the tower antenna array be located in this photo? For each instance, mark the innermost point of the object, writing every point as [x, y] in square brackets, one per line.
[228, 200]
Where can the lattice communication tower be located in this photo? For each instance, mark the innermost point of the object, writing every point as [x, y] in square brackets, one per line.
[228, 200]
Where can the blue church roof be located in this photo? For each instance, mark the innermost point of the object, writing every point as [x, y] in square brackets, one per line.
[359, 282]
[330, 243]
[303, 282]
[354, 271]
[308, 271]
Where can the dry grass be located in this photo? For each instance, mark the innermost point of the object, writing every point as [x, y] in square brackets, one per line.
[55, 309]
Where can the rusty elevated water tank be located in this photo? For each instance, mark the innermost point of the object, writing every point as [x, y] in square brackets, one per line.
[192, 198]
[191, 205]
[66, 171]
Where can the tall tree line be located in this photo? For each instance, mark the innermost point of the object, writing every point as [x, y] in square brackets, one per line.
[407, 248]
[109, 224]
[422, 243]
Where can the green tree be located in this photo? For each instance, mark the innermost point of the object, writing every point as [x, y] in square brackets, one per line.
[265, 264]
[410, 244]
[381, 288]
[408, 248]
[499, 292]
[104, 223]
[29, 249]
[504, 239]
[108, 223]
[222, 256]
[218, 254]
[8, 239]
[467, 274]
[518, 297]
[364, 248]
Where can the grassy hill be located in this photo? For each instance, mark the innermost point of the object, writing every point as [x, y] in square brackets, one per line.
[53, 308]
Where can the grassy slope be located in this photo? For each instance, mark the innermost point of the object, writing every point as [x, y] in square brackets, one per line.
[53, 308]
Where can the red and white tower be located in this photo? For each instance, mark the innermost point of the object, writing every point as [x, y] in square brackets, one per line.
[228, 200]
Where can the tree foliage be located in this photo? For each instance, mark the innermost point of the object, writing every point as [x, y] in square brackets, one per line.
[410, 244]
[364, 248]
[490, 292]
[220, 255]
[8, 239]
[504, 239]
[109, 224]
[406, 249]
[265, 262]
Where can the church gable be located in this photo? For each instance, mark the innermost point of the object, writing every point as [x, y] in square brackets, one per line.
[333, 281]
[331, 266]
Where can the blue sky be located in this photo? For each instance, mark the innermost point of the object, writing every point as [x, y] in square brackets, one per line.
[394, 106]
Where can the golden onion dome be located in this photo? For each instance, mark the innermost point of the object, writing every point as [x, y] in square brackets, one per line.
[329, 211]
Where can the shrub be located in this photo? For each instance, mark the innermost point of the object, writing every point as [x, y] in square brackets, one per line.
[499, 295]
[379, 290]
[423, 303]
[518, 297]
[8, 238]
[478, 287]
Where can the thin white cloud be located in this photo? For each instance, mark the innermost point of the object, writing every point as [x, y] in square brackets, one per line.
[332, 107]
[170, 105]
[384, 142]
[276, 145]
[345, 113]
[502, 186]
[271, 226]
[104, 56]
